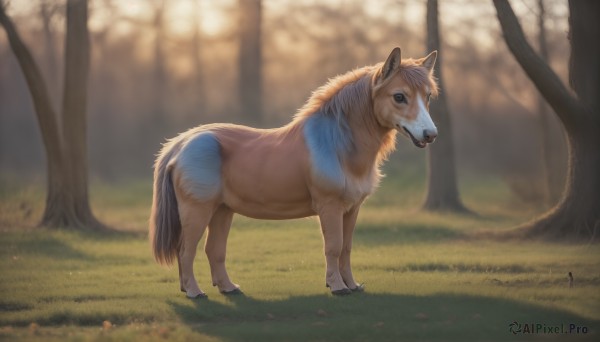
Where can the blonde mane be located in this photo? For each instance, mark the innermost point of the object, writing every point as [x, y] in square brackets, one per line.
[332, 92]
[410, 70]
[352, 93]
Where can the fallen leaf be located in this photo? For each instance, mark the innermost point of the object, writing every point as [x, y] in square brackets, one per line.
[163, 332]
[106, 325]
[33, 328]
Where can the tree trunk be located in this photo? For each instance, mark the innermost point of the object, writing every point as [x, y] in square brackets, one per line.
[77, 65]
[250, 60]
[577, 215]
[200, 106]
[159, 81]
[56, 195]
[47, 12]
[102, 118]
[442, 191]
[67, 203]
[551, 133]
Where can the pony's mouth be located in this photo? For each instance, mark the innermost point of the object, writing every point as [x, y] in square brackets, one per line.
[419, 144]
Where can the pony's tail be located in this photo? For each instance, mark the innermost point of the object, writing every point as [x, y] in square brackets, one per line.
[165, 225]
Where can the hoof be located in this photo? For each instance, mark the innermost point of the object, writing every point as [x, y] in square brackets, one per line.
[233, 292]
[342, 292]
[198, 296]
[359, 288]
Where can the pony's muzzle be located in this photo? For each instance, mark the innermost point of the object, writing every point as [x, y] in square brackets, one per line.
[429, 135]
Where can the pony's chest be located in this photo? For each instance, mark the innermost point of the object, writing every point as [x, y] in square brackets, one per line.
[358, 188]
[330, 147]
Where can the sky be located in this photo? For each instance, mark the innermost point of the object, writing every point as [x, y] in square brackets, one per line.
[215, 17]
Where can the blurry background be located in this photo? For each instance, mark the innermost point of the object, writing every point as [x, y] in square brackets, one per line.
[160, 67]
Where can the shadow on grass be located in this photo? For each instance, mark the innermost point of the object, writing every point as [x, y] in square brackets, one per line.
[47, 246]
[404, 234]
[113, 234]
[363, 317]
[456, 268]
[59, 244]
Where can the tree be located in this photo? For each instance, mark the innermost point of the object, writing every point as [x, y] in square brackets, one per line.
[577, 215]
[159, 73]
[250, 59]
[442, 191]
[196, 45]
[67, 199]
[47, 13]
[550, 130]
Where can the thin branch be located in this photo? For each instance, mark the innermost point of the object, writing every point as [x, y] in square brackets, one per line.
[547, 82]
[46, 116]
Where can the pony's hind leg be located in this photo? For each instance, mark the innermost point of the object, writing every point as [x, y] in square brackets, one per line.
[179, 267]
[194, 219]
[216, 249]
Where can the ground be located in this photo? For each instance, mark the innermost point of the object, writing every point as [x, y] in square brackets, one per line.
[426, 277]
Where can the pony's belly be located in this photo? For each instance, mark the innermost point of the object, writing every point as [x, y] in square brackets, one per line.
[264, 182]
[269, 210]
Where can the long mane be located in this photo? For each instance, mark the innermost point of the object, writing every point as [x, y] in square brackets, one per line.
[340, 92]
[351, 94]
[335, 93]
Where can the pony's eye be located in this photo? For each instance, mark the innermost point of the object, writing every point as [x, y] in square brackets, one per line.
[399, 98]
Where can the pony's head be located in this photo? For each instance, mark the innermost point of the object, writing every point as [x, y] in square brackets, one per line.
[401, 93]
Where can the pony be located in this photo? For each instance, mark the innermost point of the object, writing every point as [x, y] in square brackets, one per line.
[325, 162]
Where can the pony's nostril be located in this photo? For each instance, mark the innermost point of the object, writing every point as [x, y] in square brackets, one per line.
[429, 136]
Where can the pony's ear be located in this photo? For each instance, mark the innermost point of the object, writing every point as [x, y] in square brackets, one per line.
[429, 61]
[391, 64]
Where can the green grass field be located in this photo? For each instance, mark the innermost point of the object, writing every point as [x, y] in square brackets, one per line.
[426, 277]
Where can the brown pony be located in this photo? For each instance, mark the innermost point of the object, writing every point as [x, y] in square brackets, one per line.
[325, 162]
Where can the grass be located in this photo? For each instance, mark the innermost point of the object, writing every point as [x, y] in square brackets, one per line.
[426, 278]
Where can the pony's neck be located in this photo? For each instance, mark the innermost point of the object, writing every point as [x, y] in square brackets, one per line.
[348, 98]
[372, 142]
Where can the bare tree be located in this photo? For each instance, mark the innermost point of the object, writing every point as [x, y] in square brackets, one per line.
[250, 59]
[67, 200]
[442, 191]
[103, 113]
[577, 215]
[196, 45]
[47, 13]
[552, 135]
[159, 81]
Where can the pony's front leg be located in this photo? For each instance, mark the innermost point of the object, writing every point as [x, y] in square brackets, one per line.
[331, 218]
[345, 268]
